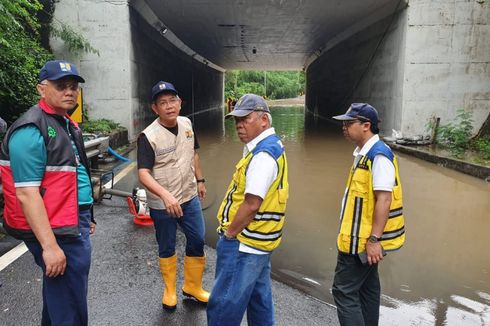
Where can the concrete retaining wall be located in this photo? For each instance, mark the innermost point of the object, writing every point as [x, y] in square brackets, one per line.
[447, 65]
[108, 81]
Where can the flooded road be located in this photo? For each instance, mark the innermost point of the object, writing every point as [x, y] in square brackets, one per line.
[442, 274]
[440, 277]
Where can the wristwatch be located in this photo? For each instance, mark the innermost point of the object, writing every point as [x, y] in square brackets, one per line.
[200, 180]
[229, 237]
[373, 239]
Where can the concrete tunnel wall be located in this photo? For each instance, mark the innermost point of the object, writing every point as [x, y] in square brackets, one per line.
[434, 60]
[153, 59]
[360, 69]
[132, 58]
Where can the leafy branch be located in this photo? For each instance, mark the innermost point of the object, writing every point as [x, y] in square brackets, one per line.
[75, 41]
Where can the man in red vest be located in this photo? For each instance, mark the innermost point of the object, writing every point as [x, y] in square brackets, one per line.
[48, 194]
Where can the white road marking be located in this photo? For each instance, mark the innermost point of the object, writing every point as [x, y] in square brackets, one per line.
[121, 174]
[9, 257]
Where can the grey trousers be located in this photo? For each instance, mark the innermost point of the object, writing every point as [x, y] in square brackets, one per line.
[356, 291]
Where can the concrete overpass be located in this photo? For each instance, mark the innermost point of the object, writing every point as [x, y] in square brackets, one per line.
[411, 59]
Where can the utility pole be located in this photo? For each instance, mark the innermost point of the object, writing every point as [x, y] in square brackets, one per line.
[265, 83]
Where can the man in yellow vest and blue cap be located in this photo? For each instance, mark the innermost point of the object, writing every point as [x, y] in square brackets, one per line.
[371, 218]
[251, 218]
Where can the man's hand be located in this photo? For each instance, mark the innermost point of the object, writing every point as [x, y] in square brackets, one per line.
[172, 205]
[245, 214]
[201, 190]
[374, 252]
[54, 260]
[91, 229]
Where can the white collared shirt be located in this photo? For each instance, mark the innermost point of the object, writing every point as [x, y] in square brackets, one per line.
[262, 169]
[383, 169]
[261, 173]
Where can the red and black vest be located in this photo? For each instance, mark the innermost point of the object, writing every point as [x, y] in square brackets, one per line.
[59, 185]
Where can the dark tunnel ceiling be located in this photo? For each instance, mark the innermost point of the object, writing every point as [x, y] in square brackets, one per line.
[284, 33]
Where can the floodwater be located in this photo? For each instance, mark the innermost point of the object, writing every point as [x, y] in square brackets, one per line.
[442, 274]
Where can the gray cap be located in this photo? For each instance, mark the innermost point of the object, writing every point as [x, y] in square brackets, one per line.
[247, 104]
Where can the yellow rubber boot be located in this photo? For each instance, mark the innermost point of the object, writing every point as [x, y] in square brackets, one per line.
[193, 270]
[168, 268]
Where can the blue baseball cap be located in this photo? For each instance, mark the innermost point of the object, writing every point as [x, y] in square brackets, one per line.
[162, 86]
[57, 69]
[247, 104]
[362, 111]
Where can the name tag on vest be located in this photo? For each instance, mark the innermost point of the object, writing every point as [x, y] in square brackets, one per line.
[163, 151]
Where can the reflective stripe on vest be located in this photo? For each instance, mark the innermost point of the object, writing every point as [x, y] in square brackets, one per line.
[58, 187]
[264, 232]
[358, 208]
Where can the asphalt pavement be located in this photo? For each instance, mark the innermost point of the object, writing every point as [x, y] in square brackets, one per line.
[125, 285]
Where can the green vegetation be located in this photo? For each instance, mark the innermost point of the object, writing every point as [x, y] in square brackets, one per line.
[269, 84]
[456, 137]
[75, 41]
[483, 147]
[100, 126]
[22, 54]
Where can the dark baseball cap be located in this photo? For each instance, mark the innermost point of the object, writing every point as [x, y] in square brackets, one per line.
[57, 69]
[362, 111]
[247, 104]
[162, 86]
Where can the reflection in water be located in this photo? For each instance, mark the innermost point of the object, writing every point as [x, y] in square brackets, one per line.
[440, 277]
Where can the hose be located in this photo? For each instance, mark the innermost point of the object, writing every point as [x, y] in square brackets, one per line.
[116, 155]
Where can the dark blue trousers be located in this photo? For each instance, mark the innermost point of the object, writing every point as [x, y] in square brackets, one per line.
[192, 224]
[356, 291]
[65, 296]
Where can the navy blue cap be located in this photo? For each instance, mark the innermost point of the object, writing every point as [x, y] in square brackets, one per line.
[162, 86]
[247, 104]
[361, 111]
[57, 69]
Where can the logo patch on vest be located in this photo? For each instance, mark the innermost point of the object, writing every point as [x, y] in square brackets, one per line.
[188, 134]
[51, 132]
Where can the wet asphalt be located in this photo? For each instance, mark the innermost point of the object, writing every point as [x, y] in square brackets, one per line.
[125, 285]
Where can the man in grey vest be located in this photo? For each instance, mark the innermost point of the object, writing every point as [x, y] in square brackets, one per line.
[169, 168]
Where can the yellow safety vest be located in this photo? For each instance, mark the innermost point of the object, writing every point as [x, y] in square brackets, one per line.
[265, 231]
[358, 207]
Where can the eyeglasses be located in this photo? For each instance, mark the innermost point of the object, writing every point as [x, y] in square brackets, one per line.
[60, 87]
[347, 123]
[166, 104]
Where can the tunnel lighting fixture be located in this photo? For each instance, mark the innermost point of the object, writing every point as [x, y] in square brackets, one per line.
[163, 29]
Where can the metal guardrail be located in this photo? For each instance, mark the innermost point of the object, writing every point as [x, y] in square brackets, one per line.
[96, 146]
[93, 147]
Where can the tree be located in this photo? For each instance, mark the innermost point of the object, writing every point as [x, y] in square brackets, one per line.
[21, 56]
[270, 84]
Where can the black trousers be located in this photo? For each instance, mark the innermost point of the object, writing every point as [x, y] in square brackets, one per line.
[356, 291]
